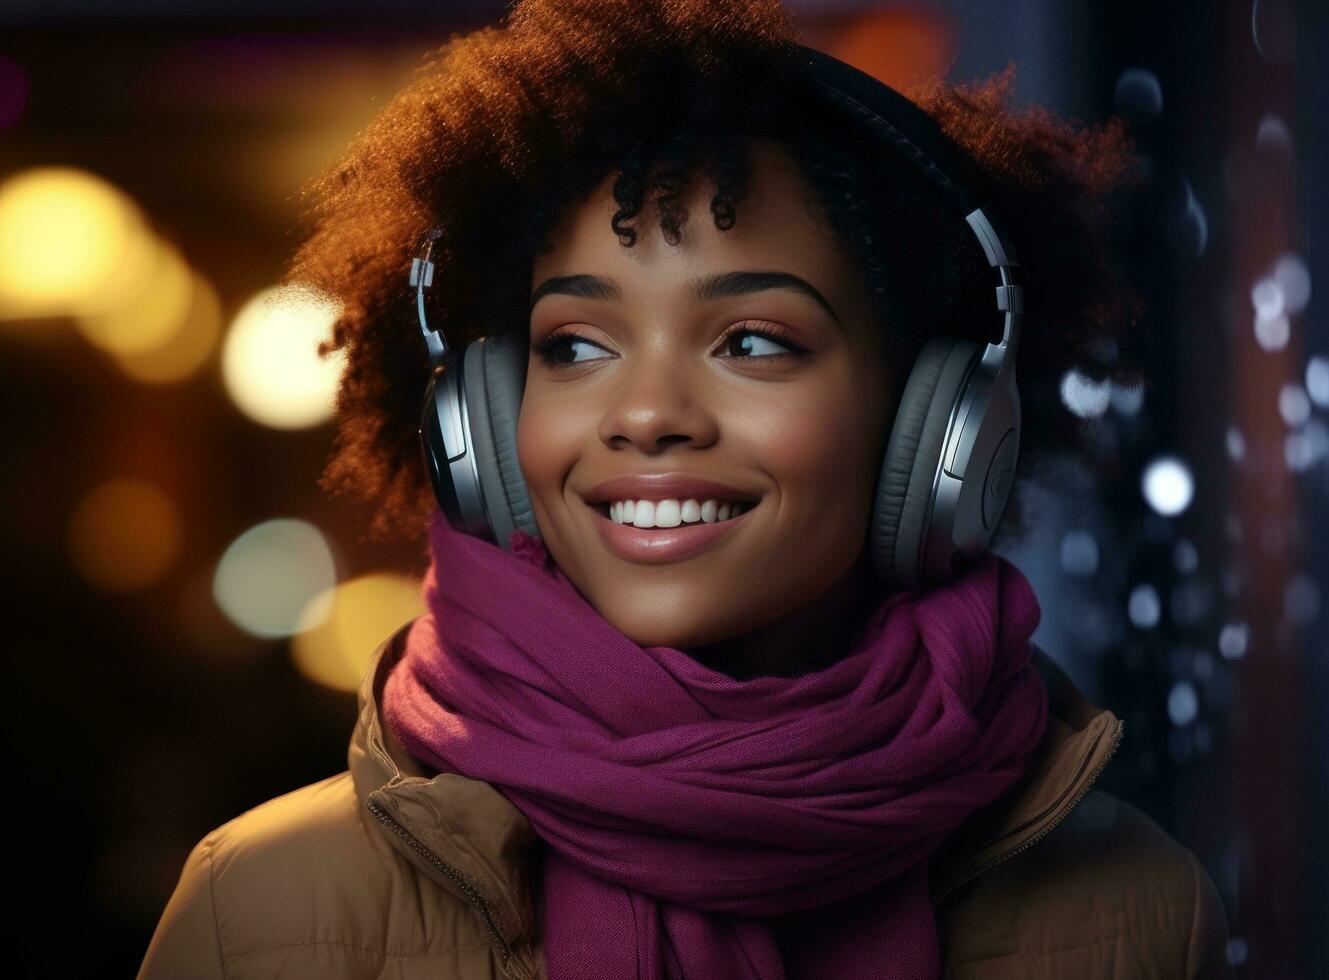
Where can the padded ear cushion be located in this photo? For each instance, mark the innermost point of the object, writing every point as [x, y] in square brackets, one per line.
[904, 490]
[495, 374]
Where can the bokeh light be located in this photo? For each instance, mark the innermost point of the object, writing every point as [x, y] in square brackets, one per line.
[1138, 96]
[362, 613]
[1083, 395]
[1236, 443]
[1183, 704]
[1273, 333]
[1233, 639]
[147, 317]
[70, 242]
[1272, 134]
[1167, 485]
[1196, 219]
[270, 580]
[1317, 381]
[124, 535]
[270, 362]
[1293, 403]
[1294, 281]
[1079, 553]
[1301, 599]
[1306, 446]
[1185, 556]
[1144, 606]
[187, 349]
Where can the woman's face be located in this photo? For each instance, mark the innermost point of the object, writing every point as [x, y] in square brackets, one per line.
[654, 373]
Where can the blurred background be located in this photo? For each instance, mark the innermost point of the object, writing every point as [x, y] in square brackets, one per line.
[193, 614]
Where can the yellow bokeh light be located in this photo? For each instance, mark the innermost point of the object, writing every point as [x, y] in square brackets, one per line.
[69, 242]
[150, 318]
[187, 349]
[124, 535]
[364, 611]
[270, 362]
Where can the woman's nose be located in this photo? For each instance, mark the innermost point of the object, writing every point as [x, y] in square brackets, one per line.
[656, 402]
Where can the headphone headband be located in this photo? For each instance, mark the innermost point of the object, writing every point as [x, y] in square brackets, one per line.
[891, 117]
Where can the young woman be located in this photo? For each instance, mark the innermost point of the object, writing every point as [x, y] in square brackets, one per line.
[683, 720]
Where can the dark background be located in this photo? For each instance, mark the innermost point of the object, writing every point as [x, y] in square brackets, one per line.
[144, 717]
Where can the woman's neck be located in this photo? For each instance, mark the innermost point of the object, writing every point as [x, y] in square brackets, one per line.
[808, 640]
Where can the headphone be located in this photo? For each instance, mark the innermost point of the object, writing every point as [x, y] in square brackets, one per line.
[950, 459]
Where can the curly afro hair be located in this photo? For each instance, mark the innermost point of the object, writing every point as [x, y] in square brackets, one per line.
[507, 125]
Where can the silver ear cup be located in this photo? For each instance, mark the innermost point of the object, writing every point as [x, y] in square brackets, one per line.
[468, 430]
[448, 449]
[496, 380]
[976, 469]
[903, 505]
[949, 464]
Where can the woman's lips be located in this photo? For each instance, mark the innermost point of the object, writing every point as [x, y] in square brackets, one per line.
[661, 544]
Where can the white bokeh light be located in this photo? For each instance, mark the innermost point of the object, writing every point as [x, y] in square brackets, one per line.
[267, 581]
[1293, 404]
[270, 362]
[1183, 704]
[1267, 298]
[1294, 281]
[1303, 448]
[1233, 639]
[1084, 396]
[1167, 485]
[1317, 381]
[1273, 333]
[1144, 606]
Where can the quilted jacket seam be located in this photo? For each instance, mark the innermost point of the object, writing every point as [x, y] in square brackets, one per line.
[212, 898]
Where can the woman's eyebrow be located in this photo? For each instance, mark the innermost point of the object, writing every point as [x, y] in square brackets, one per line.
[710, 287]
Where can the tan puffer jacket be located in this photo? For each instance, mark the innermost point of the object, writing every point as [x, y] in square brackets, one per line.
[382, 872]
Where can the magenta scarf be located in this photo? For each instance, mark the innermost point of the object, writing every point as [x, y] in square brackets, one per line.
[710, 828]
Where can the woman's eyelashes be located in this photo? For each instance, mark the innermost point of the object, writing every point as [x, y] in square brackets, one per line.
[768, 342]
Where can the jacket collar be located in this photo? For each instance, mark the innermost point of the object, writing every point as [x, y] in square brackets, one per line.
[460, 832]
[480, 847]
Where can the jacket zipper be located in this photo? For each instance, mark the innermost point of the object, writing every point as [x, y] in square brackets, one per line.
[954, 884]
[462, 882]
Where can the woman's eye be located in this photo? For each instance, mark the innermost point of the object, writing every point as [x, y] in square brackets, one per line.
[746, 342]
[555, 348]
[560, 349]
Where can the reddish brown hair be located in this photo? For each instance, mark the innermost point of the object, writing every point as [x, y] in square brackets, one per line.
[509, 124]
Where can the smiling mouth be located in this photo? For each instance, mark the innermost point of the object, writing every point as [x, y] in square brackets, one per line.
[658, 545]
[703, 518]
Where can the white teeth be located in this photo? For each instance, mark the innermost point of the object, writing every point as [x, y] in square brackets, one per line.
[672, 513]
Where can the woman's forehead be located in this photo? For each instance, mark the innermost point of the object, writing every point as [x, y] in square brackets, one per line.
[776, 227]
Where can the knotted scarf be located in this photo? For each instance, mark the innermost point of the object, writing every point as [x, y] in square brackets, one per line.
[711, 828]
